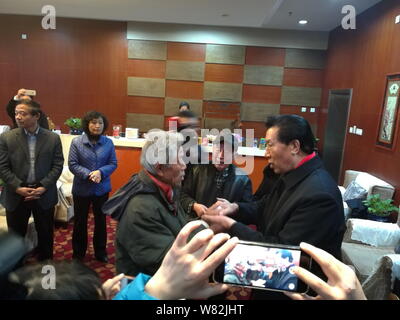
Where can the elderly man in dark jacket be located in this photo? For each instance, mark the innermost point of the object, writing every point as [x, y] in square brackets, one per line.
[153, 217]
[205, 183]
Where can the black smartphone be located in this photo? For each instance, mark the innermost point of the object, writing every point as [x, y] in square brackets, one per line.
[264, 266]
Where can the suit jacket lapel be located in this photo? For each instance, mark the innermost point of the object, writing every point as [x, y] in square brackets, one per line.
[23, 142]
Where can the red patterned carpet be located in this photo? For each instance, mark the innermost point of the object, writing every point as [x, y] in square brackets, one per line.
[63, 251]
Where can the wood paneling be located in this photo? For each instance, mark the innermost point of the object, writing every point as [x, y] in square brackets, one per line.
[263, 75]
[185, 70]
[222, 91]
[186, 51]
[302, 58]
[184, 89]
[146, 68]
[265, 56]
[146, 87]
[219, 53]
[266, 94]
[361, 60]
[81, 65]
[224, 73]
[145, 105]
[258, 127]
[303, 78]
[142, 49]
[215, 109]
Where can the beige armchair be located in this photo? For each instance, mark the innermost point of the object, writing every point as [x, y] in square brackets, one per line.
[369, 247]
[372, 184]
[64, 210]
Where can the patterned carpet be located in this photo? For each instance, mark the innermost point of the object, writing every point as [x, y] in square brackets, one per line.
[63, 251]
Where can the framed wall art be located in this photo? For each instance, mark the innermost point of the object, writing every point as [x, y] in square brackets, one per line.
[389, 117]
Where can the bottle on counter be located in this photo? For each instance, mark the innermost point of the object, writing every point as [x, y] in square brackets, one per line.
[255, 145]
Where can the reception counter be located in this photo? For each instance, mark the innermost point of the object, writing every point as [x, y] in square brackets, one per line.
[128, 155]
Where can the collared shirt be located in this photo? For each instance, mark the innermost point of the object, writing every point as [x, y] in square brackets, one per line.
[31, 138]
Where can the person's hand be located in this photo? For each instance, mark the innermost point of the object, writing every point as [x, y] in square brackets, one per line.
[199, 208]
[342, 281]
[95, 176]
[112, 286]
[35, 194]
[186, 268]
[21, 92]
[218, 223]
[24, 191]
[223, 207]
[28, 193]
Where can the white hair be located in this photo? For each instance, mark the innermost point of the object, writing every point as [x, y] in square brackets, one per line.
[161, 147]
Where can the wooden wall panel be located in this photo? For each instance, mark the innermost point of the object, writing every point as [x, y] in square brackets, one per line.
[219, 53]
[303, 78]
[361, 60]
[146, 68]
[222, 91]
[300, 96]
[263, 75]
[142, 49]
[145, 105]
[185, 70]
[184, 89]
[147, 87]
[302, 58]
[265, 56]
[144, 122]
[258, 127]
[224, 73]
[182, 51]
[262, 94]
[258, 111]
[81, 65]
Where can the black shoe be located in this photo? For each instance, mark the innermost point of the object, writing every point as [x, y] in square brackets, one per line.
[102, 258]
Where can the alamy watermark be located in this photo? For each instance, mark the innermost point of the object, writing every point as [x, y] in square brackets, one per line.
[49, 280]
[349, 20]
[49, 20]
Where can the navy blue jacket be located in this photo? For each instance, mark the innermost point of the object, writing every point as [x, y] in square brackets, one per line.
[85, 157]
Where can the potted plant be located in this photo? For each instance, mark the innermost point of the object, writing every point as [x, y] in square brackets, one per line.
[75, 125]
[379, 209]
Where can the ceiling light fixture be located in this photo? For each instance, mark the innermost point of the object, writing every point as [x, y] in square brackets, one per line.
[303, 22]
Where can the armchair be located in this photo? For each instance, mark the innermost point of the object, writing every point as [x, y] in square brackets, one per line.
[370, 183]
[369, 246]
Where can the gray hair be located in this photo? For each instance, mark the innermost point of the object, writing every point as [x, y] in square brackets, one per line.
[161, 147]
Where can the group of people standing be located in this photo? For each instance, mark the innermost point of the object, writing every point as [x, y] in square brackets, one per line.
[303, 205]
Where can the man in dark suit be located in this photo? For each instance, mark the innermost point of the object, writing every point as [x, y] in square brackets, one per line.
[21, 95]
[305, 203]
[31, 161]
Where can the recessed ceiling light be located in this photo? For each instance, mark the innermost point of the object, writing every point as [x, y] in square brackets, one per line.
[303, 22]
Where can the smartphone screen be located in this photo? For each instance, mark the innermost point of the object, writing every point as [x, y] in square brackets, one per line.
[263, 266]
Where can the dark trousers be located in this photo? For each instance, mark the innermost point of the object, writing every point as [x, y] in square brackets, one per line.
[79, 237]
[17, 221]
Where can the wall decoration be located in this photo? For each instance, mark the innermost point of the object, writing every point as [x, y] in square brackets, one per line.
[387, 131]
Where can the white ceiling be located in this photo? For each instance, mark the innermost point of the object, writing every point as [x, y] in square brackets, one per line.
[323, 15]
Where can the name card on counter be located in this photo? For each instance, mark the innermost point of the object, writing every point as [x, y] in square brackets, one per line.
[131, 133]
